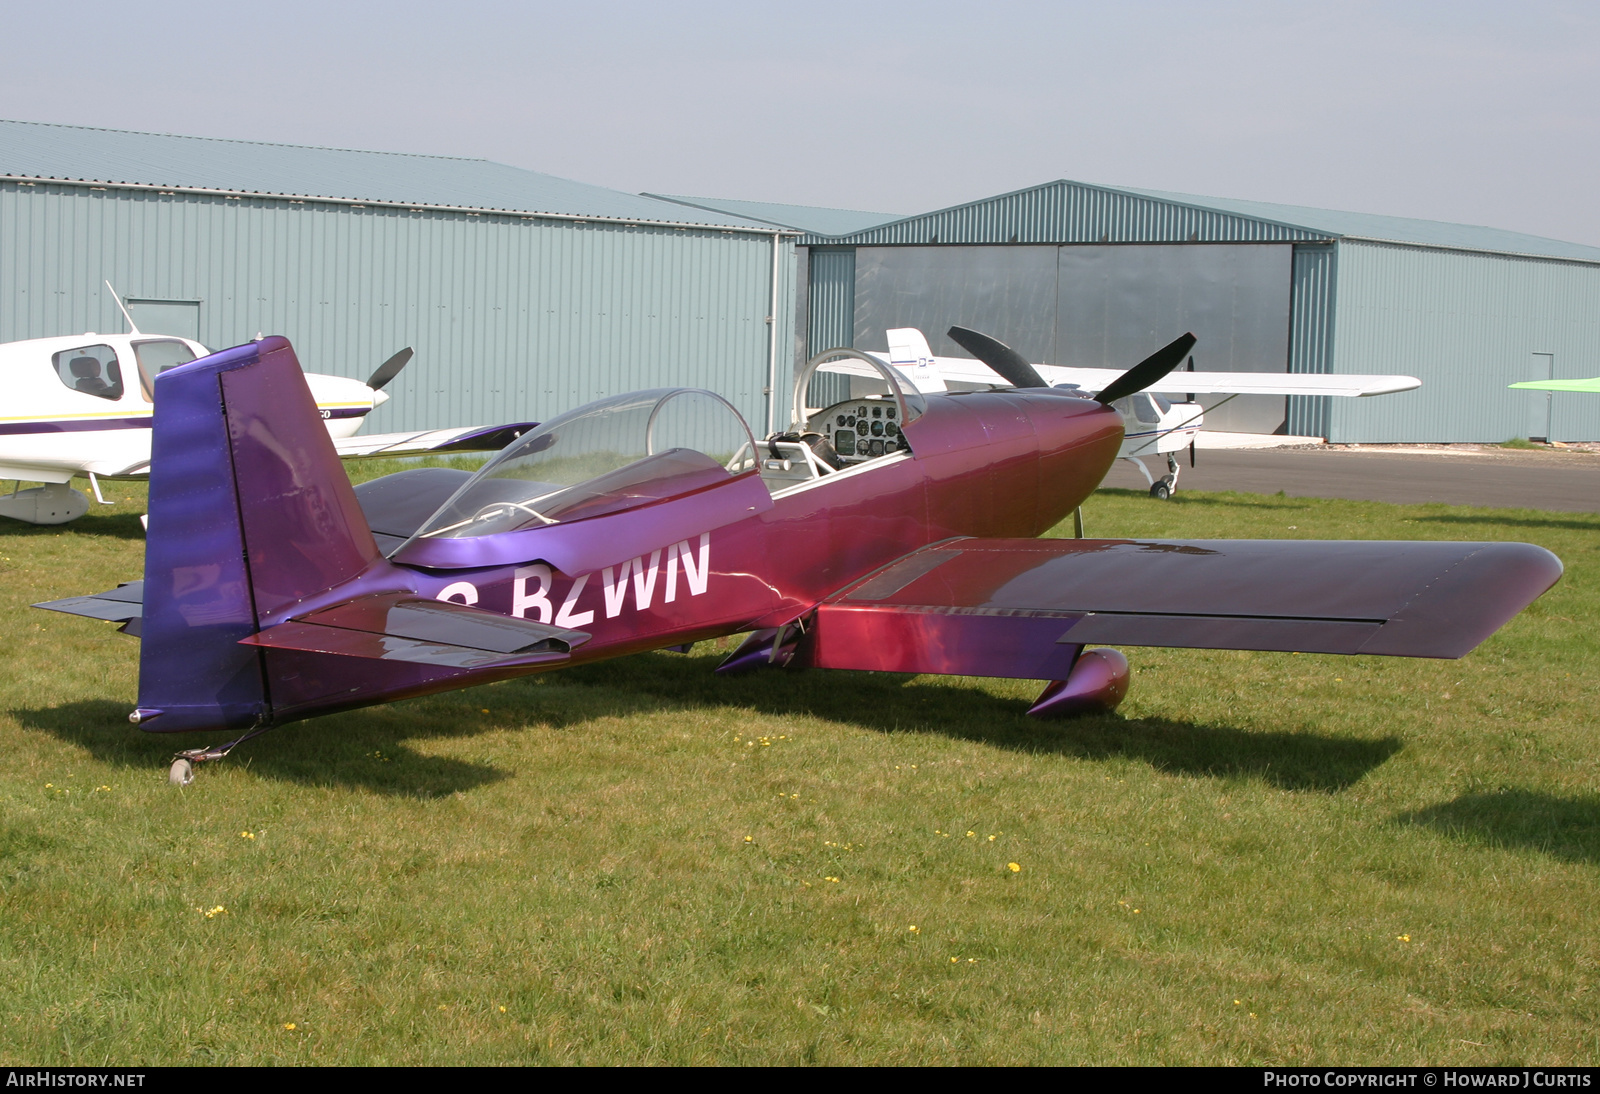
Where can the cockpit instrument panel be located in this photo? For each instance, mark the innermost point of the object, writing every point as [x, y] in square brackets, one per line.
[861, 428]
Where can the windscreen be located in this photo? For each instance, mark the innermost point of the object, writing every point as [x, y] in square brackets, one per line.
[614, 454]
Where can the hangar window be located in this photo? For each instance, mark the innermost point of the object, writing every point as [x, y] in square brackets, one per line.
[614, 454]
[92, 370]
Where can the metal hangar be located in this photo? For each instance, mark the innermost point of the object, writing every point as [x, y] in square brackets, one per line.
[523, 294]
[1077, 274]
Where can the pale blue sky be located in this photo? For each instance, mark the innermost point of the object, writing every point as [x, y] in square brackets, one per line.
[1481, 113]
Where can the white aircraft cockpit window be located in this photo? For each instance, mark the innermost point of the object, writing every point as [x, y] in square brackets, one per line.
[614, 454]
[1143, 410]
[92, 370]
[156, 357]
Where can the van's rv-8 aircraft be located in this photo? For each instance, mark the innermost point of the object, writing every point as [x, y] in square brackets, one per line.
[1153, 424]
[81, 405]
[274, 591]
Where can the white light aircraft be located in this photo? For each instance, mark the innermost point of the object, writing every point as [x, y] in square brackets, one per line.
[81, 405]
[1154, 425]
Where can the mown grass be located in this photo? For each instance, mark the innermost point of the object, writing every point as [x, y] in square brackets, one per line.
[1261, 858]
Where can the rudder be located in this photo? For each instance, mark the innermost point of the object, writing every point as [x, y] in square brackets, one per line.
[250, 513]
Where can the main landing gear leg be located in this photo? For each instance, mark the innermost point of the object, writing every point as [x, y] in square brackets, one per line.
[1161, 488]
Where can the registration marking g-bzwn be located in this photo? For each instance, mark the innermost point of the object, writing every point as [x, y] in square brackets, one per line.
[646, 578]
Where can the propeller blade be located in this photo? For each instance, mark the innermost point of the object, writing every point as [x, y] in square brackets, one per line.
[997, 355]
[1191, 455]
[389, 369]
[1148, 371]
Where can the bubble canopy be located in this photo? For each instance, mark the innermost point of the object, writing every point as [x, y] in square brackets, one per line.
[611, 455]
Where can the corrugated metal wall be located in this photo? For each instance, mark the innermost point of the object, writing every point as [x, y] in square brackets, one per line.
[1311, 304]
[510, 317]
[1070, 212]
[1467, 325]
[831, 315]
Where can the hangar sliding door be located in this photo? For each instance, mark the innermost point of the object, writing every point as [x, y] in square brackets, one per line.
[1095, 305]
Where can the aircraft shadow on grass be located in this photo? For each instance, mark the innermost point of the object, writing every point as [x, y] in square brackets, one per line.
[1589, 525]
[888, 702]
[366, 748]
[113, 525]
[1563, 828]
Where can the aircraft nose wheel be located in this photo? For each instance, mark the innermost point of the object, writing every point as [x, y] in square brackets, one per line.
[1161, 490]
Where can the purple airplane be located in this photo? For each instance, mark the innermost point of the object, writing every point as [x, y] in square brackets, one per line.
[893, 532]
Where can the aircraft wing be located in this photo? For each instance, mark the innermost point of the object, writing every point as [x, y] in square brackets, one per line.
[1354, 385]
[1018, 607]
[1590, 385]
[1241, 383]
[478, 438]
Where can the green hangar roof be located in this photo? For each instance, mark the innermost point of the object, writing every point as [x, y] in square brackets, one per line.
[78, 154]
[1075, 212]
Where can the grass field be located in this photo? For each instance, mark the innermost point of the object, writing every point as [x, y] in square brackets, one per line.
[1260, 858]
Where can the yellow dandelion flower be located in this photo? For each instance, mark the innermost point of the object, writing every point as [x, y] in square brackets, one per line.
[749, 839]
[483, 710]
[247, 835]
[502, 1010]
[991, 839]
[1237, 1003]
[970, 833]
[1403, 937]
[290, 1025]
[955, 960]
[1015, 868]
[914, 929]
[833, 879]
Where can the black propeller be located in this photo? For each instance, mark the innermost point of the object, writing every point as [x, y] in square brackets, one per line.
[1189, 398]
[1147, 372]
[389, 369]
[1010, 364]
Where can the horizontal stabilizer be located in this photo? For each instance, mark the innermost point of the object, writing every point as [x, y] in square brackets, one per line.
[124, 604]
[404, 627]
[477, 438]
[978, 603]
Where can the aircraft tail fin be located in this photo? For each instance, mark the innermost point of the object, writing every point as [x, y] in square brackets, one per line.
[251, 514]
[910, 355]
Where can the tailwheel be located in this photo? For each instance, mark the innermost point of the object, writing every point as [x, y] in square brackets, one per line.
[181, 773]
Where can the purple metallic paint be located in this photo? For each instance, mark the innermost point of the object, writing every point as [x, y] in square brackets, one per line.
[260, 558]
[1097, 683]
